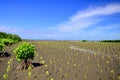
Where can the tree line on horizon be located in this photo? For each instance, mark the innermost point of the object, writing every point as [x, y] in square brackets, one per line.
[101, 41]
[110, 41]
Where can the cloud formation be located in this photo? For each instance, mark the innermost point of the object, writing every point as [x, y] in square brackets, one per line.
[85, 22]
[97, 11]
[89, 17]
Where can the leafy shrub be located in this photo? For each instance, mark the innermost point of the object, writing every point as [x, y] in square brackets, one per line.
[24, 51]
[8, 41]
[1, 46]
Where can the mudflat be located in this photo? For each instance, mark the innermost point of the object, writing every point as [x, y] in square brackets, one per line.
[58, 60]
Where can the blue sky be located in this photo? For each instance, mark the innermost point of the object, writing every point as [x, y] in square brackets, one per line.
[61, 19]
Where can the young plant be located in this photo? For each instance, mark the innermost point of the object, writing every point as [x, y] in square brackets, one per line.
[5, 76]
[47, 73]
[113, 73]
[24, 53]
[51, 79]
[29, 73]
[85, 76]
[42, 62]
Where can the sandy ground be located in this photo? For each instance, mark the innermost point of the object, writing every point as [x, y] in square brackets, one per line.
[57, 61]
[92, 51]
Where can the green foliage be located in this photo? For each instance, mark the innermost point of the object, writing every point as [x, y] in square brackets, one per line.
[110, 41]
[24, 51]
[1, 46]
[8, 41]
[84, 40]
[3, 35]
[13, 37]
[5, 76]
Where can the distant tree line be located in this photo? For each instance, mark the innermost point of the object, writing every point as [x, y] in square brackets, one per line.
[100, 40]
[9, 39]
[10, 36]
[110, 41]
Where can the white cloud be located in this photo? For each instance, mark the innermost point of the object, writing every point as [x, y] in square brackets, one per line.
[88, 17]
[75, 27]
[97, 11]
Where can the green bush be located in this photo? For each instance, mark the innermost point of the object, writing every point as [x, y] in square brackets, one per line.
[1, 46]
[8, 41]
[24, 51]
[84, 40]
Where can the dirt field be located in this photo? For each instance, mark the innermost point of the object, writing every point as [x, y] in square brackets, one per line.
[63, 60]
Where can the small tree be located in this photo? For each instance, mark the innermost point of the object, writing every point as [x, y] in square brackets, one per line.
[24, 54]
[84, 41]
